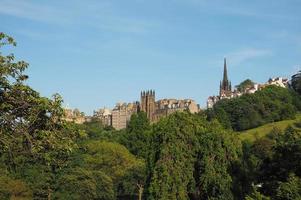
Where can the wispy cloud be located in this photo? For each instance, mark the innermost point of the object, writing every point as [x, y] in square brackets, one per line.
[99, 15]
[32, 11]
[241, 56]
[253, 9]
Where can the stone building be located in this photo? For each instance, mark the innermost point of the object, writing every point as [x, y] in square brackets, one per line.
[225, 89]
[278, 81]
[122, 113]
[104, 115]
[155, 110]
[74, 116]
[148, 104]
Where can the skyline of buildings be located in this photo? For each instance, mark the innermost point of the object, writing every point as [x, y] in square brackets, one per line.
[119, 116]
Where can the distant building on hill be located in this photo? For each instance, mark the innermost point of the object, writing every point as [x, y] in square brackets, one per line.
[104, 115]
[155, 110]
[122, 113]
[75, 116]
[226, 88]
[278, 81]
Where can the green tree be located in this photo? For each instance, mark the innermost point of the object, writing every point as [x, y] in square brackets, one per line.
[290, 190]
[136, 137]
[114, 160]
[31, 126]
[251, 110]
[296, 82]
[191, 158]
[285, 160]
[245, 85]
[82, 184]
[171, 165]
[256, 196]
[219, 149]
[14, 189]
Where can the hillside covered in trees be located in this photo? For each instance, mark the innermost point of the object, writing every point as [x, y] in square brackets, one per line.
[183, 156]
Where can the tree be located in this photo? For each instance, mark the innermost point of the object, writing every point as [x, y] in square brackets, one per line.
[11, 188]
[219, 149]
[31, 126]
[116, 162]
[191, 158]
[296, 82]
[133, 182]
[256, 196]
[246, 84]
[290, 190]
[285, 160]
[83, 184]
[172, 158]
[251, 110]
[137, 133]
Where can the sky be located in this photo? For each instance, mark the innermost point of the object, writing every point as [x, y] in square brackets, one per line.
[96, 53]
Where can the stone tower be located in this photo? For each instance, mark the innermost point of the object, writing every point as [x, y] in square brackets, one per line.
[148, 103]
[225, 84]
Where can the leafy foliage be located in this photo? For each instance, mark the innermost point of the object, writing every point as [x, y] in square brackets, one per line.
[191, 157]
[252, 110]
[243, 86]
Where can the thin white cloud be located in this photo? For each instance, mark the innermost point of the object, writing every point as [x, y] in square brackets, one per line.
[28, 10]
[99, 15]
[241, 56]
[242, 8]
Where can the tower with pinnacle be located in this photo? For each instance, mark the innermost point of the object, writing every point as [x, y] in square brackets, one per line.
[225, 84]
[147, 103]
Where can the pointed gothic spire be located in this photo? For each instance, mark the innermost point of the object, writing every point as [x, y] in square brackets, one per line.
[225, 79]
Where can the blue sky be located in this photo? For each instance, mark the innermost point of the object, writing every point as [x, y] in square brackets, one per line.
[99, 52]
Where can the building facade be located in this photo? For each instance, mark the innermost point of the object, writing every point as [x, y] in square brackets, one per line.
[75, 116]
[225, 88]
[104, 115]
[122, 113]
[155, 110]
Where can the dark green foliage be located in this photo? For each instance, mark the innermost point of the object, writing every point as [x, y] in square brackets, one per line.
[174, 146]
[13, 188]
[137, 135]
[245, 85]
[32, 131]
[296, 82]
[251, 110]
[191, 157]
[290, 190]
[108, 168]
[255, 195]
[81, 184]
[286, 159]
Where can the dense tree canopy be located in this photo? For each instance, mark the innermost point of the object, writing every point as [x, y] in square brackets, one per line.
[251, 110]
[191, 157]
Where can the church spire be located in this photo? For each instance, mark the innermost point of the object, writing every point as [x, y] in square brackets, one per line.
[225, 79]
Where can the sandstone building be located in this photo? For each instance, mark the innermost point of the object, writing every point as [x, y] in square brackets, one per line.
[122, 113]
[74, 116]
[162, 108]
[104, 115]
